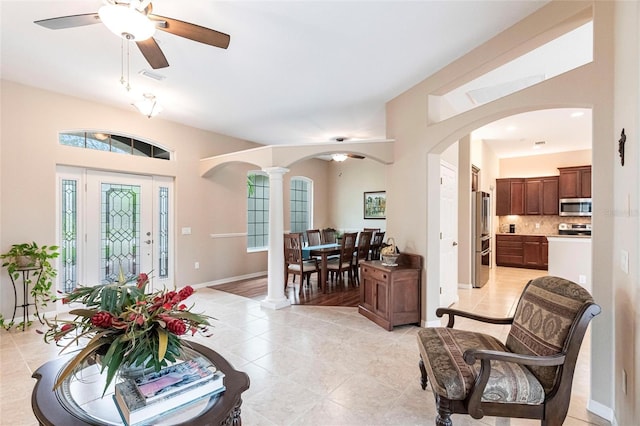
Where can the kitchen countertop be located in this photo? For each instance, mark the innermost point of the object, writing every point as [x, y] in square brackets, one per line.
[544, 235]
[583, 237]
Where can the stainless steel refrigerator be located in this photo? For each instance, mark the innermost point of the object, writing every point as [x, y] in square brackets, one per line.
[481, 234]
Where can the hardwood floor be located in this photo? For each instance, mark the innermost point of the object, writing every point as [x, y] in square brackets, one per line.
[256, 288]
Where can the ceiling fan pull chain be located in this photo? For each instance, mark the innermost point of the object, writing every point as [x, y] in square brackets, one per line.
[128, 73]
[122, 62]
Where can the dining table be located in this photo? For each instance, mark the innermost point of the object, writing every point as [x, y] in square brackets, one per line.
[323, 251]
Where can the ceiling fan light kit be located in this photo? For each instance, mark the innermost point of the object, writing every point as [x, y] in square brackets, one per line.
[126, 22]
[339, 157]
[148, 106]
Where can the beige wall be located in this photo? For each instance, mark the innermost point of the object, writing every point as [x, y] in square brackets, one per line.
[417, 141]
[624, 211]
[349, 180]
[543, 165]
[213, 207]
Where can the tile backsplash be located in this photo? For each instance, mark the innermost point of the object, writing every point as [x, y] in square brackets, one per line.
[547, 225]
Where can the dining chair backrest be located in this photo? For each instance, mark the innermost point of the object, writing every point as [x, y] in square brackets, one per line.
[372, 230]
[348, 246]
[364, 243]
[328, 236]
[293, 249]
[313, 237]
[376, 244]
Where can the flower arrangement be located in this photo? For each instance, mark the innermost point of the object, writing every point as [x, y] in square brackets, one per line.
[127, 326]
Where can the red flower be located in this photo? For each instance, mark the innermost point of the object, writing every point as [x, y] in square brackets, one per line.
[185, 292]
[176, 326]
[137, 318]
[65, 300]
[143, 279]
[102, 319]
[182, 307]
[67, 327]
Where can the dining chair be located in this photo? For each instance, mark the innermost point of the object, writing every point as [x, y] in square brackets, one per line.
[294, 263]
[527, 376]
[376, 245]
[344, 262]
[372, 230]
[328, 236]
[313, 237]
[361, 253]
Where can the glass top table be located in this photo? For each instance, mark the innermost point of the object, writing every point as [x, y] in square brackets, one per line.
[79, 400]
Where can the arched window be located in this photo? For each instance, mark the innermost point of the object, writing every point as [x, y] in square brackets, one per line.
[301, 205]
[121, 144]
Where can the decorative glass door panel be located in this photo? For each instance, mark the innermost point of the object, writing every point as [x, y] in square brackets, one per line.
[120, 231]
[119, 226]
[117, 221]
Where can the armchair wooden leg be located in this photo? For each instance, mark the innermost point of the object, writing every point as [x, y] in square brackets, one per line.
[444, 412]
[423, 373]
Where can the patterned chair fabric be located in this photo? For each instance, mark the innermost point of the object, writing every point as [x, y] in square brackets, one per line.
[442, 350]
[545, 313]
[549, 324]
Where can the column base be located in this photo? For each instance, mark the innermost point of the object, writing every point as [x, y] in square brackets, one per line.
[275, 304]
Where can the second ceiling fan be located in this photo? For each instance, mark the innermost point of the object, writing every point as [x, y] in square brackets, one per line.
[133, 20]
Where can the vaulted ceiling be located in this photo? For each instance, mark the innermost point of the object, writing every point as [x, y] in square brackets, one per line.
[295, 72]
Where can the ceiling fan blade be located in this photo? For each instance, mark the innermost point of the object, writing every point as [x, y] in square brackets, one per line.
[152, 53]
[69, 21]
[356, 156]
[192, 31]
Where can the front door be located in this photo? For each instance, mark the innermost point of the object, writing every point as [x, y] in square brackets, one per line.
[122, 223]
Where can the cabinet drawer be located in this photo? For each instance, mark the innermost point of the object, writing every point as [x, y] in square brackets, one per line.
[374, 273]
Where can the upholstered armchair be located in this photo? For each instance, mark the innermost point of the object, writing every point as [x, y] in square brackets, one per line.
[529, 376]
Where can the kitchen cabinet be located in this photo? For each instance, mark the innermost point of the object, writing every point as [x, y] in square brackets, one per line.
[535, 252]
[527, 196]
[575, 182]
[510, 198]
[509, 250]
[541, 195]
[522, 251]
[390, 295]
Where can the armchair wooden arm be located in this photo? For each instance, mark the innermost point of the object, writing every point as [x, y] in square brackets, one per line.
[455, 312]
[470, 356]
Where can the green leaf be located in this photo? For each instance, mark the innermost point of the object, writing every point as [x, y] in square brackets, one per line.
[93, 344]
[163, 341]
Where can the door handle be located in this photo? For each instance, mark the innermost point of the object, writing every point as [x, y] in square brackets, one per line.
[148, 241]
[455, 243]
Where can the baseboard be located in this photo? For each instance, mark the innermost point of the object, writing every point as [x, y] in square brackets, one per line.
[601, 410]
[465, 286]
[434, 323]
[230, 279]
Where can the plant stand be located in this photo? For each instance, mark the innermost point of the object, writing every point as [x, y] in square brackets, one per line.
[24, 274]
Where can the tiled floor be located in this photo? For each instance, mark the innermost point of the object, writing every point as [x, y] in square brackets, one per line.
[311, 365]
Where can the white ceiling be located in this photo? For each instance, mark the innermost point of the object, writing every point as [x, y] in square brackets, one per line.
[295, 71]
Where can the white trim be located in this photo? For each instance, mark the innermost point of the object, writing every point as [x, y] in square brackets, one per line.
[465, 286]
[602, 411]
[230, 279]
[435, 323]
[229, 235]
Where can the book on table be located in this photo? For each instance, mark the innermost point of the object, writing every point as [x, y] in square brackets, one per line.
[135, 408]
[174, 378]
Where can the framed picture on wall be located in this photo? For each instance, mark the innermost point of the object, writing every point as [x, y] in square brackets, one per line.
[375, 205]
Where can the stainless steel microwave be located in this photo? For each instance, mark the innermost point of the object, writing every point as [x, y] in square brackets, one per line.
[575, 207]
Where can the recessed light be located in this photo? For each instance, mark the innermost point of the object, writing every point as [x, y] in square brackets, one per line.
[577, 114]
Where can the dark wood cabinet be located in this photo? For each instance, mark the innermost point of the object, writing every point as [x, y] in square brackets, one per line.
[550, 195]
[528, 196]
[575, 182]
[510, 196]
[522, 251]
[390, 295]
[509, 250]
[541, 195]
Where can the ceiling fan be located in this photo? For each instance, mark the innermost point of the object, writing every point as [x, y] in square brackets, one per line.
[133, 20]
[339, 156]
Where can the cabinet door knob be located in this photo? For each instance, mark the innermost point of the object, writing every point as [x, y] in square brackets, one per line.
[455, 243]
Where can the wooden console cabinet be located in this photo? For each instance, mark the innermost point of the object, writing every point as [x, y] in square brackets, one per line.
[390, 295]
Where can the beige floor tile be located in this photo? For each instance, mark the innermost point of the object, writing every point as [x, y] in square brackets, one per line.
[310, 365]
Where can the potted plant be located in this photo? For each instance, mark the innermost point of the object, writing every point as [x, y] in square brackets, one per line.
[30, 255]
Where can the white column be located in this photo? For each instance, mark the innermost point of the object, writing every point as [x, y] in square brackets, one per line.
[275, 273]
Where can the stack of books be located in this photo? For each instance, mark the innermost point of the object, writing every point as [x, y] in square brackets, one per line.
[172, 388]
